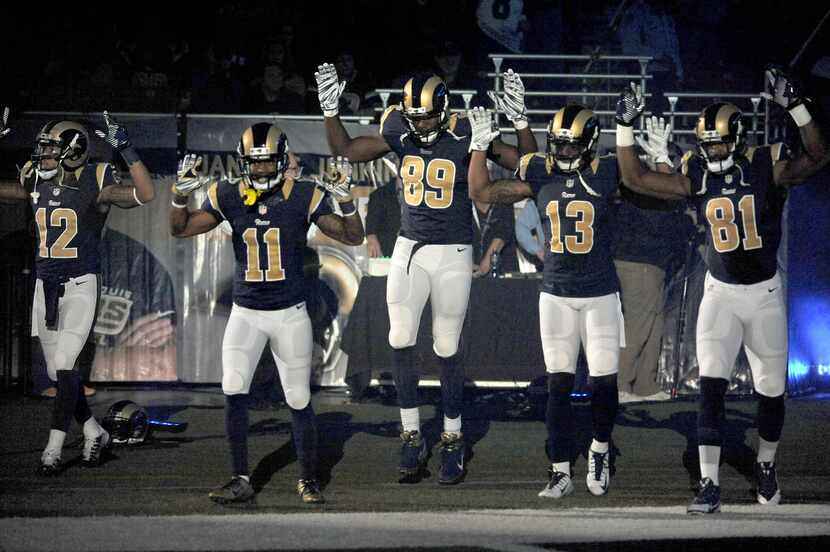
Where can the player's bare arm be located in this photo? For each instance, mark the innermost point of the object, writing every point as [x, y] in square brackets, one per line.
[346, 228]
[814, 154]
[142, 190]
[9, 190]
[185, 222]
[634, 175]
[480, 186]
[362, 148]
[512, 104]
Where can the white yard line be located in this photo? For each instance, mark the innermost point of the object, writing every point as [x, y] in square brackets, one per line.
[495, 529]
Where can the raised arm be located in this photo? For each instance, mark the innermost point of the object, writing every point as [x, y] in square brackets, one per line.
[142, 190]
[9, 190]
[186, 222]
[815, 154]
[347, 228]
[634, 175]
[480, 186]
[512, 104]
[362, 148]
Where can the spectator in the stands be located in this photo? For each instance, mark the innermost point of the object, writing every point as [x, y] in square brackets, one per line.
[449, 64]
[358, 96]
[273, 94]
[493, 232]
[648, 29]
[215, 84]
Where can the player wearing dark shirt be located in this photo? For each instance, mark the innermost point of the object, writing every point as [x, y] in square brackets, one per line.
[70, 199]
[269, 213]
[579, 302]
[432, 258]
[739, 192]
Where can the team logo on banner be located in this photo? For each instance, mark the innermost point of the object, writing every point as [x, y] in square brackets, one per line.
[113, 313]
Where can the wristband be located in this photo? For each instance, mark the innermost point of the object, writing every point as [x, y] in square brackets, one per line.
[330, 112]
[800, 115]
[179, 205]
[130, 156]
[348, 208]
[625, 136]
[520, 124]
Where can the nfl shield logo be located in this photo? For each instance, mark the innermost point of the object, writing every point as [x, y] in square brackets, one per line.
[728, 179]
[56, 191]
[570, 183]
[262, 209]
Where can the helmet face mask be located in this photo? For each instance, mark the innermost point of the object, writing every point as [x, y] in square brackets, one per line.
[60, 143]
[721, 136]
[263, 156]
[572, 138]
[425, 108]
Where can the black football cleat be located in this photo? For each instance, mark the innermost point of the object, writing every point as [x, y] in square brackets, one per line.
[413, 457]
[236, 491]
[452, 459]
[309, 491]
[707, 500]
[767, 482]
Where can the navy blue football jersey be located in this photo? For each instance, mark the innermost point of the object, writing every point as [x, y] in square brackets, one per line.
[576, 212]
[69, 219]
[435, 206]
[742, 210]
[268, 240]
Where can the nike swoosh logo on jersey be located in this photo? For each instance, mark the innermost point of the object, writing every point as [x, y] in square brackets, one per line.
[770, 290]
[462, 249]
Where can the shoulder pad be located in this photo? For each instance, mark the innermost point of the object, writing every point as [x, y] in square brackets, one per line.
[25, 172]
[684, 162]
[101, 174]
[389, 111]
[525, 162]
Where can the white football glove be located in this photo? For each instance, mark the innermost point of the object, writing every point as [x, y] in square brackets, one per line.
[116, 134]
[482, 126]
[329, 89]
[512, 104]
[630, 105]
[657, 145]
[187, 179]
[3, 128]
[338, 180]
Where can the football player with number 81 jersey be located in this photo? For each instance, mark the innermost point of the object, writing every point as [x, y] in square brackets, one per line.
[432, 258]
[269, 213]
[739, 192]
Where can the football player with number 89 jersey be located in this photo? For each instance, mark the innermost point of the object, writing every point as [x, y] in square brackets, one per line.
[739, 192]
[269, 213]
[70, 198]
[579, 301]
[432, 258]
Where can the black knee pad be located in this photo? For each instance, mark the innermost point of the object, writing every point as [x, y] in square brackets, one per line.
[711, 412]
[406, 377]
[771, 412]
